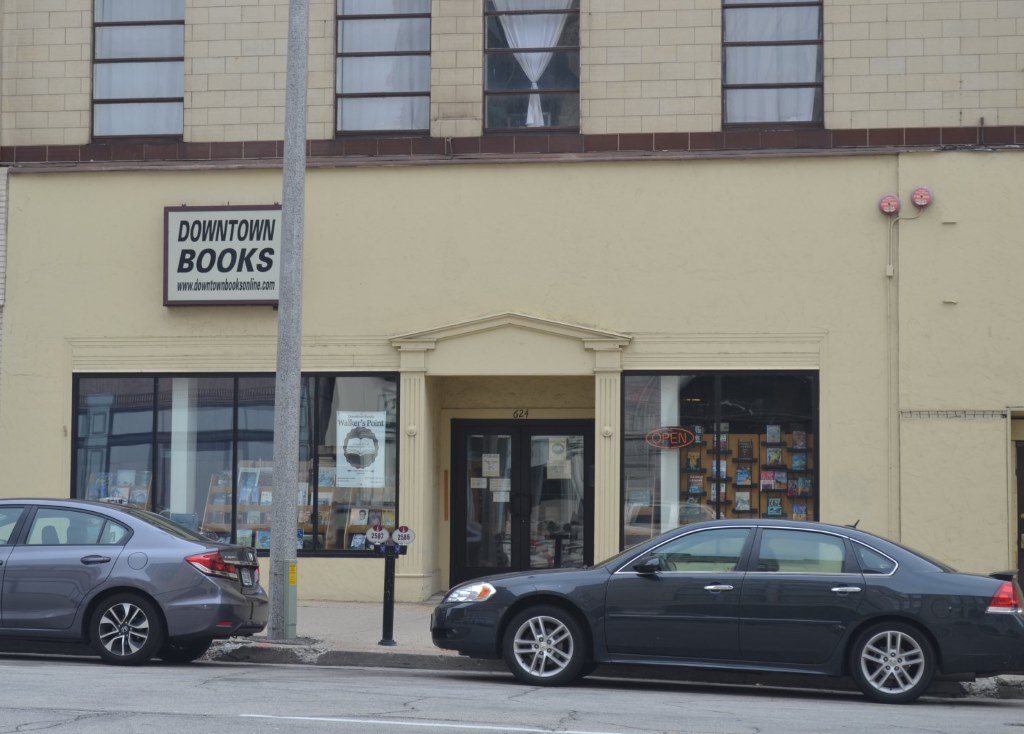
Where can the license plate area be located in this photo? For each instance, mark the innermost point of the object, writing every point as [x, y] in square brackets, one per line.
[247, 577]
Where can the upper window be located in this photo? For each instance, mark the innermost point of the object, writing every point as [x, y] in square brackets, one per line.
[773, 62]
[532, 64]
[138, 68]
[383, 66]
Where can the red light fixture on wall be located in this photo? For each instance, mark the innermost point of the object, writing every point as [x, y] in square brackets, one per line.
[889, 204]
[921, 197]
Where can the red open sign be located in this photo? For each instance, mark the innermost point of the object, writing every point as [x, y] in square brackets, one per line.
[673, 437]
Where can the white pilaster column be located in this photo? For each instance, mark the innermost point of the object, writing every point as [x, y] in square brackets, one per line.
[417, 571]
[607, 446]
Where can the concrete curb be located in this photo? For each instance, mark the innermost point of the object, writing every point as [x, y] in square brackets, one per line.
[305, 651]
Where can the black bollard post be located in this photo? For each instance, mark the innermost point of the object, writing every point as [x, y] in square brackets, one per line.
[390, 551]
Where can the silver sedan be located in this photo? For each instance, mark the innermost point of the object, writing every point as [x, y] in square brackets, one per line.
[131, 584]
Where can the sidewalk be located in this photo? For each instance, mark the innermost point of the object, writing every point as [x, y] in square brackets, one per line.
[348, 634]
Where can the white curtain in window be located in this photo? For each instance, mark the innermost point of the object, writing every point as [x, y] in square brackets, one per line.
[772, 64]
[533, 31]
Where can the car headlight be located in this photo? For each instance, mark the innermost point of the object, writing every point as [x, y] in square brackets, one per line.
[470, 592]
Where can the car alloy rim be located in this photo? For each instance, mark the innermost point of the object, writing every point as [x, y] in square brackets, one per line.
[892, 662]
[543, 646]
[124, 629]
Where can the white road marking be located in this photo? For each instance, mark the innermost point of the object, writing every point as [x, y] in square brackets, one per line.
[426, 724]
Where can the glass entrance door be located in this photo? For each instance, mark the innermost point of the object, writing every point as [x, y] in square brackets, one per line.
[522, 496]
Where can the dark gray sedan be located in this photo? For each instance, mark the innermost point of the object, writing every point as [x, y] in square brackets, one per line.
[758, 595]
[130, 583]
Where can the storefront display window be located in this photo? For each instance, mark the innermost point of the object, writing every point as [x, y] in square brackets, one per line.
[713, 445]
[357, 459]
[212, 438]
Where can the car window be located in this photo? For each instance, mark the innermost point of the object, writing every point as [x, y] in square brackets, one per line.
[799, 551]
[53, 526]
[113, 534]
[871, 561]
[8, 520]
[706, 550]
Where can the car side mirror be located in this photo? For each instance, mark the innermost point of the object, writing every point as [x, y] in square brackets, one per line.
[649, 565]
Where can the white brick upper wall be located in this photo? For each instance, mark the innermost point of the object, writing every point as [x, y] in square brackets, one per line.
[646, 66]
[650, 66]
[926, 63]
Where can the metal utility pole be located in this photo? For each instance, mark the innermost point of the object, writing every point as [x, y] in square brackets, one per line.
[284, 516]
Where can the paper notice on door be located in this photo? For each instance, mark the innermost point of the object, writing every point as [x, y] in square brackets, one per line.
[559, 470]
[478, 483]
[491, 465]
[558, 448]
[501, 490]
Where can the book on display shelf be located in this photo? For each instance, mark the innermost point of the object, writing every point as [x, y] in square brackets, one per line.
[694, 484]
[693, 460]
[773, 455]
[773, 433]
[774, 507]
[744, 476]
[799, 511]
[781, 480]
[692, 508]
[741, 502]
[799, 462]
[745, 449]
[767, 479]
[799, 438]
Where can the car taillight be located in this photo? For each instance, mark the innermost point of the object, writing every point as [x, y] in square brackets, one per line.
[213, 564]
[1006, 600]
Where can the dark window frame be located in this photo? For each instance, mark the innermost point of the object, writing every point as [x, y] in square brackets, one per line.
[710, 450]
[341, 55]
[547, 129]
[97, 61]
[314, 379]
[818, 85]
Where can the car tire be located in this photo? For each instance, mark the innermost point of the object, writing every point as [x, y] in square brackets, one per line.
[126, 629]
[183, 651]
[545, 646]
[892, 662]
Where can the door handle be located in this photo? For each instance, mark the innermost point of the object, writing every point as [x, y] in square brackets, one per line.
[844, 590]
[715, 588]
[93, 560]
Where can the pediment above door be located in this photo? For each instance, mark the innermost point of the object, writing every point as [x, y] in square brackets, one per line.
[511, 344]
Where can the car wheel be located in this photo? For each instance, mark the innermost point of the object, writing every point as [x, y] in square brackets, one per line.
[183, 651]
[892, 663]
[126, 629]
[545, 646]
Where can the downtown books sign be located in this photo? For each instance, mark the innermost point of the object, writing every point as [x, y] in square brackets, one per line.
[219, 256]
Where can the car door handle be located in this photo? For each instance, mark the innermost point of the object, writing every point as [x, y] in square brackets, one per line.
[715, 588]
[844, 590]
[93, 560]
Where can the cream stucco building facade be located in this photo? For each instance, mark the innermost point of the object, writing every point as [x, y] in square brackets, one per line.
[520, 277]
